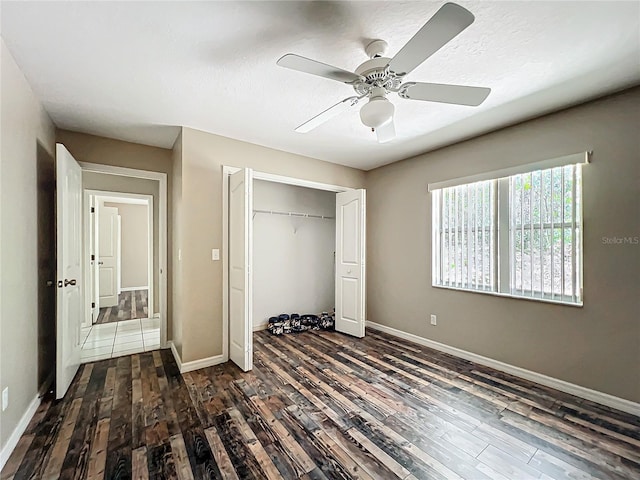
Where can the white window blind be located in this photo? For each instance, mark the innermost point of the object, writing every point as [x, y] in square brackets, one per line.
[466, 240]
[545, 234]
[519, 235]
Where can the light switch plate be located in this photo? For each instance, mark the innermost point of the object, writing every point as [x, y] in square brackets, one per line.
[215, 254]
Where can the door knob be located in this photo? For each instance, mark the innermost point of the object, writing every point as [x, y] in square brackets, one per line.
[71, 282]
[349, 271]
[100, 263]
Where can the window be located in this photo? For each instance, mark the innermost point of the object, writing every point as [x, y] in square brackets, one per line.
[518, 235]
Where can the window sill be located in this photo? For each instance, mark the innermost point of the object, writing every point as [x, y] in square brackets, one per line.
[508, 295]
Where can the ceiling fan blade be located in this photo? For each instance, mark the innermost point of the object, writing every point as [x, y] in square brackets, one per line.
[386, 132]
[444, 93]
[447, 22]
[328, 114]
[306, 65]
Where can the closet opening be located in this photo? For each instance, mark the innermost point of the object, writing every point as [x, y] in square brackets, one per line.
[289, 246]
[294, 232]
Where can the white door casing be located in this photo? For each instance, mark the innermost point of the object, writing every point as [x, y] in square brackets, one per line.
[240, 283]
[161, 179]
[70, 307]
[350, 262]
[108, 255]
[119, 255]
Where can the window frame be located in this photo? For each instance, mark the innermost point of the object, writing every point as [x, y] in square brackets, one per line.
[503, 240]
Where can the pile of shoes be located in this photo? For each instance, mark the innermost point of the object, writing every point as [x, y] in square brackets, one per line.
[294, 323]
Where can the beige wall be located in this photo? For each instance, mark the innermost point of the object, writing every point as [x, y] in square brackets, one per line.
[106, 151]
[597, 346]
[26, 133]
[134, 244]
[116, 183]
[203, 156]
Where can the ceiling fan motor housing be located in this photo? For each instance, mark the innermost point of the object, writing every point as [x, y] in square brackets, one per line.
[376, 74]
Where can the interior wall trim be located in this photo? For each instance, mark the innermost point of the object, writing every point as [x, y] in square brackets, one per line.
[185, 367]
[131, 289]
[577, 390]
[12, 442]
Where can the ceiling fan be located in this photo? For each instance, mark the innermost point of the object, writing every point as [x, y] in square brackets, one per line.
[379, 76]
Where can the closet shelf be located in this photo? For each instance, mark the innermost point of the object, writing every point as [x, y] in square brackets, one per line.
[294, 214]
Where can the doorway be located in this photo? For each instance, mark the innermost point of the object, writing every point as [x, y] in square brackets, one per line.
[239, 266]
[125, 253]
[119, 254]
[46, 205]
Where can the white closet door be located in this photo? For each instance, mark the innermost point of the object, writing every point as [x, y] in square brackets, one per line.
[240, 282]
[350, 262]
[70, 302]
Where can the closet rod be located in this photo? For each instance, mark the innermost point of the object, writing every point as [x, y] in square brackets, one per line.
[294, 214]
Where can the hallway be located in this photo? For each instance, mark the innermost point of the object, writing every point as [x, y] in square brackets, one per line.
[116, 339]
[131, 304]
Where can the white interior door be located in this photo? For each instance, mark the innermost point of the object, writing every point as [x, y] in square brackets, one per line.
[350, 262]
[70, 306]
[93, 247]
[240, 226]
[108, 255]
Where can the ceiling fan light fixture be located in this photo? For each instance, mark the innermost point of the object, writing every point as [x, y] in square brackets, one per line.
[376, 112]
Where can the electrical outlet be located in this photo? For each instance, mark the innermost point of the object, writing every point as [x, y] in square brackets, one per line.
[5, 398]
[215, 254]
[433, 320]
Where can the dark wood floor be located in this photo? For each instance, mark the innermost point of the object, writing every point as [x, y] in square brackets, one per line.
[322, 405]
[131, 304]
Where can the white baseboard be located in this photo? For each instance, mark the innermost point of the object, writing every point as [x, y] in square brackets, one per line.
[262, 326]
[202, 363]
[176, 355]
[8, 448]
[577, 390]
[185, 367]
[131, 289]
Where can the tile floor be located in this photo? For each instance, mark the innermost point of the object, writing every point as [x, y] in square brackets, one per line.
[111, 340]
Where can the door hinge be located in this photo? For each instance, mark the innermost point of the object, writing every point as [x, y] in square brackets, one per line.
[93, 257]
[93, 209]
[93, 304]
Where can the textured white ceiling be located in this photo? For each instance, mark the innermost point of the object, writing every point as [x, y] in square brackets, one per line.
[135, 71]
